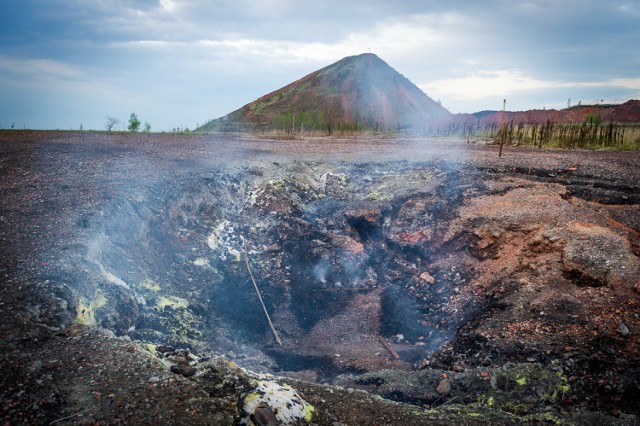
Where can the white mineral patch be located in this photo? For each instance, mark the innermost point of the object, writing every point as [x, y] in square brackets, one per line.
[140, 299]
[201, 261]
[112, 278]
[115, 280]
[285, 402]
[223, 239]
[212, 241]
[219, 233]
[235, 253]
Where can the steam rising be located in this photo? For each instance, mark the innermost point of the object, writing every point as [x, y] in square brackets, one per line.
[178, 239]
[321, 270]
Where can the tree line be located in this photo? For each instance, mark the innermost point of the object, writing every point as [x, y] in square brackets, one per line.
[133, 124]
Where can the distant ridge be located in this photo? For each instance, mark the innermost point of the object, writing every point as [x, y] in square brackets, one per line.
[628, 112]
[357, 92]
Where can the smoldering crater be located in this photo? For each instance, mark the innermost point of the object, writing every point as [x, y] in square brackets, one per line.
[341, 259]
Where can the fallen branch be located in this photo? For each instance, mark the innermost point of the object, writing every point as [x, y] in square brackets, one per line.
[246, 259]
[388, 347]
[433, 404]
[70, 417]
[452, 399]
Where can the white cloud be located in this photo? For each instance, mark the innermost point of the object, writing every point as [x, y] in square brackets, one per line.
[483, 84]
[423, 34]
[38, 68]
[168, 5]
[487, 84]
[486, 89]
[48, 76]
[212, 57]
[627, 83]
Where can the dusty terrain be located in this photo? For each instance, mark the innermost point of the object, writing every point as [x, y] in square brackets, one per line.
[413, 281]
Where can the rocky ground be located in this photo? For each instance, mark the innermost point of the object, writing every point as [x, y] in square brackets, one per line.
[413, 281]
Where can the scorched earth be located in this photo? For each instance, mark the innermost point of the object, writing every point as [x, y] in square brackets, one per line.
[410, 280]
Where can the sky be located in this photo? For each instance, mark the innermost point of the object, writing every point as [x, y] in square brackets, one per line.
[179, 63]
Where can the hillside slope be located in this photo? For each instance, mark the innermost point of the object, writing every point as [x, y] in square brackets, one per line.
[356, 92]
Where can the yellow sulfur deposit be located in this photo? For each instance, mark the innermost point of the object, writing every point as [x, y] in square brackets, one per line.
[86, 309]
[173, 301]
[150, 285]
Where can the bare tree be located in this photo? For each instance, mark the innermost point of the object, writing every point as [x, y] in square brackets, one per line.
[111, 122]
[329, 109]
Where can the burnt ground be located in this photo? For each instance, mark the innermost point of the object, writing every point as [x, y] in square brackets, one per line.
[410, 280]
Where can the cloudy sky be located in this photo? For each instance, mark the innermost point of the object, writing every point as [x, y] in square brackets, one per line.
[64, 63]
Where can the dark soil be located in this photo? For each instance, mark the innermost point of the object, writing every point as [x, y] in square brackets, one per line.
[414, 281]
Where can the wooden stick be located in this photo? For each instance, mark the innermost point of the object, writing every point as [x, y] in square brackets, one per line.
[246, 259]
[388, 347]
[70, 417]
